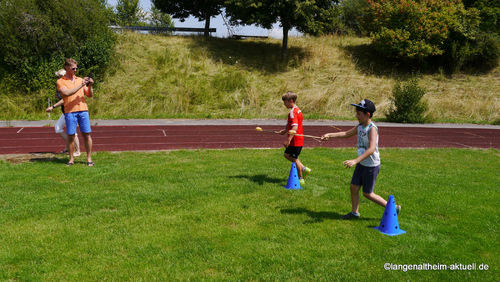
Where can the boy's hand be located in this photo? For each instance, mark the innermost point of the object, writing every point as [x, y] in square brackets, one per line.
[282, 132]
[287, 143]
[325, 137]
[349, 163]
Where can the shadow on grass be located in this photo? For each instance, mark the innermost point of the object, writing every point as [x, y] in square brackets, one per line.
[259, 178]
[317, 216]
[263, 56]
[48, 157]
[314, 215]
[34, 157]
[371, 62]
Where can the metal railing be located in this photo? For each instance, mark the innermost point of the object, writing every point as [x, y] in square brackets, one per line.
[172, 29]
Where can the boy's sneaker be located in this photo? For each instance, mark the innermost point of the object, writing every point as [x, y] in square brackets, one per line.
[305, 171]
[350, 215]
[301, 181]
[398, 209]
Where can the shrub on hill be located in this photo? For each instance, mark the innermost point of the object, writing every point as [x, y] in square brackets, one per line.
[413, 30]
[407, 105]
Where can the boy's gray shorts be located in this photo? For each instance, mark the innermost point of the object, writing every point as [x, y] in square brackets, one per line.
[365, 176]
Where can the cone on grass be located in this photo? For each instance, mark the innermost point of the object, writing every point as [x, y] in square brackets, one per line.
[389, 224]
[293, 179]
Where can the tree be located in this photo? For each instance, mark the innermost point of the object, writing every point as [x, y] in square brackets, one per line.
[37, 35]
[350, 11]
[128, 12]
[309, 16]
[203, 10]
[159, 19]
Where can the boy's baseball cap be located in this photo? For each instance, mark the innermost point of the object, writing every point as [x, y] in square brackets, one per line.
[366, 104]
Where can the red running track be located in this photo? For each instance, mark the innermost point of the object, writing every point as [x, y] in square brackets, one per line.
[17, 140]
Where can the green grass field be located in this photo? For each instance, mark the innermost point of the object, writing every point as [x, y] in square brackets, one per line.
[223, 215]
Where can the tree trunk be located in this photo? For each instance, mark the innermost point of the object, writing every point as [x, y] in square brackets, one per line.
[284, 47]
[207, 26]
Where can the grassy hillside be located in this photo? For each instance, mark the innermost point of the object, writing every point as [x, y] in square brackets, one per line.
[159, 76]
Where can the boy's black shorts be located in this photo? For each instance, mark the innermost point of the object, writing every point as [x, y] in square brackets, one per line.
[293, 151]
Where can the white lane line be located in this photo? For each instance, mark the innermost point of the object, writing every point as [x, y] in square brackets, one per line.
[20, 129]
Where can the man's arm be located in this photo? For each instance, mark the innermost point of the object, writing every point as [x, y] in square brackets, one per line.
[89, 90]
[64, 91]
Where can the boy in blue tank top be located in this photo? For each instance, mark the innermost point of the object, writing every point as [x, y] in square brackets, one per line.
[368, 161]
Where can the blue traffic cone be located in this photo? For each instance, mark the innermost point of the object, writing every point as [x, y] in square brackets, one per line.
[293, 179]
[389, 224]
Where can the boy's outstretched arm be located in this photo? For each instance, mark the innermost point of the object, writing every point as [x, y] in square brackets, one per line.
[343, 134]
[49, 109]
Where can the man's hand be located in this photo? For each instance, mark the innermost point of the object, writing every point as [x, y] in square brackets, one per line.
[88, 81]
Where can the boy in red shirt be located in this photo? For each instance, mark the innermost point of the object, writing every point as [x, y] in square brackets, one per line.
[293, 143]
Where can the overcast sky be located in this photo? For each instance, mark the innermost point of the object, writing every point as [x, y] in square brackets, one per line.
[218, 23]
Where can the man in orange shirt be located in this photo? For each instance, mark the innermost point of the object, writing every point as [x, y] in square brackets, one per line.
[73, 89]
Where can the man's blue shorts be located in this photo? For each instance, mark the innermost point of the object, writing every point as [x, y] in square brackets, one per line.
[77, 118]
[365, 176]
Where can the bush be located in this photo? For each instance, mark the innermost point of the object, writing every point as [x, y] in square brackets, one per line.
[421, 31]
[411, 28]
[407, 105]
[485, 51]
[480, 53]
[37, 35]
[489, 12]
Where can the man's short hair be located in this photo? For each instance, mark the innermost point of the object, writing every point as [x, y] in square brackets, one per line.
[290, 95]
[69, 62]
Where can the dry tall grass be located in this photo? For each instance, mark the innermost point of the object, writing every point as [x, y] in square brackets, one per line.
[162, 76]
[172, 76]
